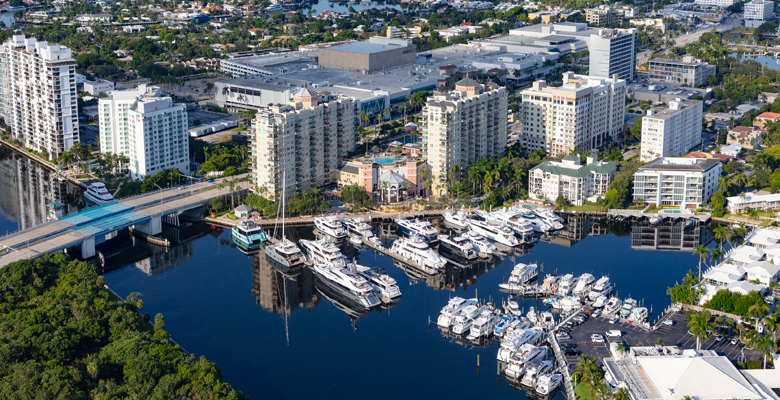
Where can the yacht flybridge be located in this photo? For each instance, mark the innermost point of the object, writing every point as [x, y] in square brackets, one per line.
[496, 233]
[324, 251]
[416, 250]
[458, 218]
[97, 194]
[330, 225]
[416, 227]
[452, 310]
[359, 227]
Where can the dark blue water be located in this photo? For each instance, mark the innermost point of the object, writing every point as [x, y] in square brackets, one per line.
[223, 304]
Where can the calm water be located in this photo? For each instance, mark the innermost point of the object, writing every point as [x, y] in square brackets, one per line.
[26, 189]
[344, 7]
[229, 306]
[770, 62]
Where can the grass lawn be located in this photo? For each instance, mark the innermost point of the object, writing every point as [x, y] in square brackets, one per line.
[586, 207]
[582, 392]
[743, 29]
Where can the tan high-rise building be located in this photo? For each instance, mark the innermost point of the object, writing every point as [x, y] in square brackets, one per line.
[463, 126]
[307, 141]
[579, 115]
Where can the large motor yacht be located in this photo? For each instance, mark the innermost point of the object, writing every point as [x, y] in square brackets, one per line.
[484, 324]
[457, 218]
[385, 287]
[512, 220]
[526, 355]
[566, 284]
[330, 225]
[584, 284]
[324, 251]
[514, 340]
[602, 287]
[550, 217]
[358, 226]
[452, 310]
[415, 227]
[538, 224]
[500, 234]
[547, 383]
[520, 276]
[479, 243]
[458, 247]
[417, 251]
[248, 235]
[97, 194]
[466, 318]
[534, 369]
[349, 283]
[285, 254]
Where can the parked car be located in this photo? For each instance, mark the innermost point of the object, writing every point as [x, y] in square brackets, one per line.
[562, 336]
[569, 346]
[668, 322]
[571, 352]
[597, 338]
[613, 320]
[734, 341]
[719, 338]
[769, 300]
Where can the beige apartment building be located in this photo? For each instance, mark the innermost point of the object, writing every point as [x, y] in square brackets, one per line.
[577, 183]
[602, 15]
[305, 141]
[463, 126]
[38, 88]
[578, 116]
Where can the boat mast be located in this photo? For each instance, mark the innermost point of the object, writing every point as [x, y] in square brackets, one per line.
[284, 197]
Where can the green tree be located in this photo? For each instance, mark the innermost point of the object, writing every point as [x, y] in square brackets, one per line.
[700, 327]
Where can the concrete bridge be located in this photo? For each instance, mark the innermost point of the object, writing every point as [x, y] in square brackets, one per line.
[146, 213]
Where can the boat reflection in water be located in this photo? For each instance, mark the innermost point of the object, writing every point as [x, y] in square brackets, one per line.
[282, 291]
[348, 306]
[482, 342]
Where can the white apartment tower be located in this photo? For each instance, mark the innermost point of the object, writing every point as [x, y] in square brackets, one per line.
[39, 94]
[463, 126]
[147, 127]
[305, 142]
[757, 12]
[683, 182]
[671, 131]
[579, 115]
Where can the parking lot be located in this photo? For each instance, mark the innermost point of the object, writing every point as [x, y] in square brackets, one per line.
[674, 335]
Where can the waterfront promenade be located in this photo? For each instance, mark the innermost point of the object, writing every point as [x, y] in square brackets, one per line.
[145, 212]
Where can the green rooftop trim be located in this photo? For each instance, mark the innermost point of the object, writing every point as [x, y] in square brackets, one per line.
[583, 172]
[571, 157]
[55, 204]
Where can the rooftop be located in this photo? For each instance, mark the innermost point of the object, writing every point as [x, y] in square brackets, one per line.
[569, 168]
[768, 115]
[680, 164]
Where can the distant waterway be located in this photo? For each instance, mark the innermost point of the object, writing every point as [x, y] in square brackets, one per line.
[280, 337]
[342, 7]
[770, 62]
[25, 189]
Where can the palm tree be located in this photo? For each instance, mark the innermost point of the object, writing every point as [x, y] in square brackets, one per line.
[757, 311]
[700, 327]
[720, 233]
[590, 373]
[364, 134]
[385, 186]
[622, 394]
[715, 255]
[772, 324]
[766, 346]
[225, 91]
[701, 250]
[364, 119]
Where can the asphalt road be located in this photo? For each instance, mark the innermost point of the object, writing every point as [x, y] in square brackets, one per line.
[682, 40]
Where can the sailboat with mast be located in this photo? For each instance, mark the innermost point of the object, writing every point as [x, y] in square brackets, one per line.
[285, 254]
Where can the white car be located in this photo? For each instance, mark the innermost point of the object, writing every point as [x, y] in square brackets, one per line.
[769, 300]
[597, 338]
[719, 338]
[668, 322]
[613, 320]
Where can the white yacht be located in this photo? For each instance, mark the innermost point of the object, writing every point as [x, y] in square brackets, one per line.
[511, 219]
[566, 284]
[527, 354]
[534, 369]
[501, 328]
[602, 287]
[612, 306]
[551, 282]
[520, 276]
[356, 240]
[464, 320]
[458, 218]
[479, 243]
[600, 302]
[416, 227]
[376, 242]
[584, 284]
[567, 303]
[385, 287]
[628, 306]
[349, 283]
[517, 338]
[358, 226]
[654, 220]
[330, 225]
[97, 194]
[547, 383]
[457, 246]
[550, 217]
[500, 234]
[538, 224]
[452, 310]
[285, 254]
[324, 251]
[639, 314]
[484, 324]
[416, 250]
[531, 316]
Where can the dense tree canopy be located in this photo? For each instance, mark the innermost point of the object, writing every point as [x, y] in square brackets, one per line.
[63, 336]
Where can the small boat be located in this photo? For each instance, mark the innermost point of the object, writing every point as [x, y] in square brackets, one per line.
[551, 282]
[479, 243]
[416, 227]
[654, 220]
[638, 314]
[458, 218]
[513, 306]
[584, 283]
[567, 303]
[689, 223]
[385, 287]
[502, 325]
[376, 242]
[602, 287]
[355, 240]
[534, 369]
[612, 306]
[547, 383]
[484, 324]
[358, 226]
[97, 194]
[600, 302]
[520, 276]
[628, 306]
[330, 225]
[546, 318]
[452, 310]
[532, 315]
[566, 284]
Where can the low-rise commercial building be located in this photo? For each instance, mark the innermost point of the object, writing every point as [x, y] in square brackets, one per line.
[602, 15]
[671, 131]
[754, 201]
[757, 12]
[369, 173]
[684, 182]
[97, 87]
[575, 182]
[687, 71]
[657, 23]
[716, 3]
[375, 54]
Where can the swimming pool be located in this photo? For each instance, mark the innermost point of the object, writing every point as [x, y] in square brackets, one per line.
[531, 207]
[385, 160]
[671, 211]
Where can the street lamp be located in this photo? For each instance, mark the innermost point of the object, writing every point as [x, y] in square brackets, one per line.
[161, 199]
